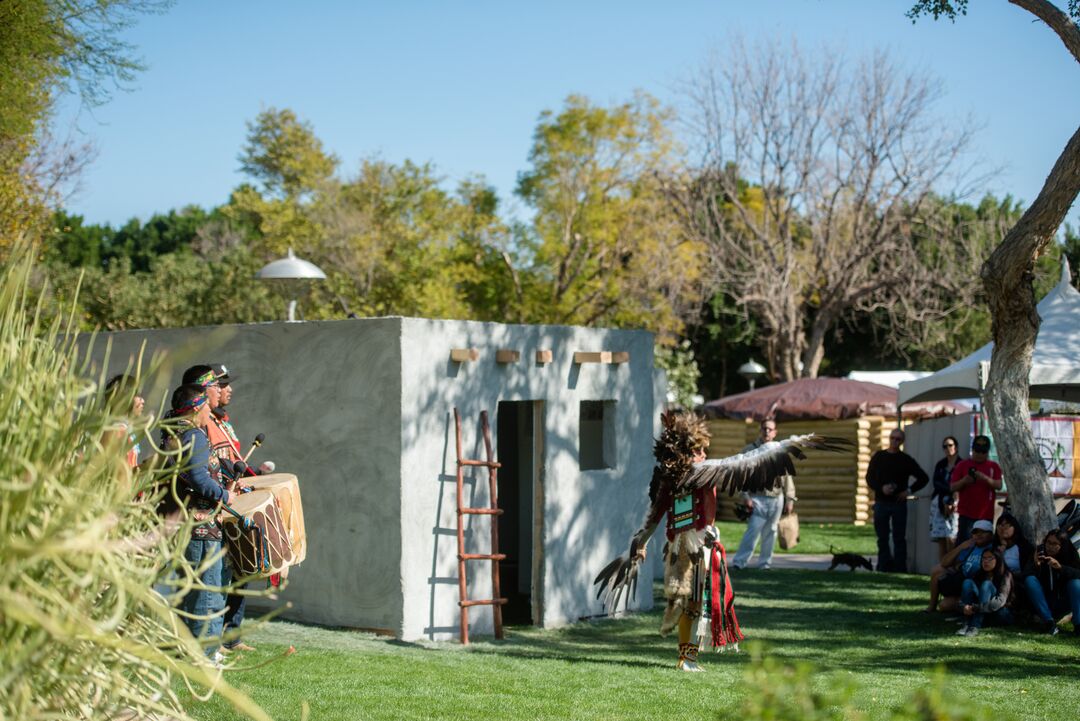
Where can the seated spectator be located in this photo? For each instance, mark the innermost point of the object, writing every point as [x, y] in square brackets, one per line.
[1052, 581]
[1010, 540]
[985, 597]
[947, 579]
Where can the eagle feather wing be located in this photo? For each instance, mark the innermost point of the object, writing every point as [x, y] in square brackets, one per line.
[758, 469]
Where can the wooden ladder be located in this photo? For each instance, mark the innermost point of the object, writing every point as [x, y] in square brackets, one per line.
[496, 601]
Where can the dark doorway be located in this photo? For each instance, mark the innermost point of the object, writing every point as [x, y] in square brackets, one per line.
[520, 451]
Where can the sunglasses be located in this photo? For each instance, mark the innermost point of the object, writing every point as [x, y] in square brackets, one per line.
[948, 445]
[980, 449]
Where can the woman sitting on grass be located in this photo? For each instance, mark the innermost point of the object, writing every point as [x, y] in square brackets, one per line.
[1014, 547]
[985, 598]
[1052, 581]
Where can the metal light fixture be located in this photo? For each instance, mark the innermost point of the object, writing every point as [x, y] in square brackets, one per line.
[293, 270]
[752, 371]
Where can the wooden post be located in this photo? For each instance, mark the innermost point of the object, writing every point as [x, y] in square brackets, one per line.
[462, 591]
[464, 355]
[493, 486]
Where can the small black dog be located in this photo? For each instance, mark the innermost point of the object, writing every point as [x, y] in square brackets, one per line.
[851, 560]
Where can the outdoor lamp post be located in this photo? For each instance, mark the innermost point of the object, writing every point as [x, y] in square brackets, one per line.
[751, 371]
[294, 272]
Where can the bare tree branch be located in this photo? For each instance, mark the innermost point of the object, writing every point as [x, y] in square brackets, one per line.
[809, 178]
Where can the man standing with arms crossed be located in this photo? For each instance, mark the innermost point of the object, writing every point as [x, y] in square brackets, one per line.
[765, 509]
[888, 476]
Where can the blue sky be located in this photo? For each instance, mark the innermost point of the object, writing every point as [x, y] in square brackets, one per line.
[461, 84]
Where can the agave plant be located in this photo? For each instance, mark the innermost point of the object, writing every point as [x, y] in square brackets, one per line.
[82, 632]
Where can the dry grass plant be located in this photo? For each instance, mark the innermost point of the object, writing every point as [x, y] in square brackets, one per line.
[82, 632]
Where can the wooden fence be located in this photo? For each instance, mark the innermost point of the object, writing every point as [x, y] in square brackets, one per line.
[831, 486]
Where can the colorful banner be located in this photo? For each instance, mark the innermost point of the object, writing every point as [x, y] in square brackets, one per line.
[1058, 440]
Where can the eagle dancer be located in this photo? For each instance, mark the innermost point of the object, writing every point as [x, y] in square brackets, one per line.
[684, 486]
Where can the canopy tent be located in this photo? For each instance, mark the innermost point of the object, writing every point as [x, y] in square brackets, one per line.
[1055, 366]
[820, 399]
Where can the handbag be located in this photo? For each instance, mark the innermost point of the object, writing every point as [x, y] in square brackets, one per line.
[788, 530]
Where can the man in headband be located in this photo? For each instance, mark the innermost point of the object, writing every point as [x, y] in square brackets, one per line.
[223, 442]
[226, 446]
[199, 489]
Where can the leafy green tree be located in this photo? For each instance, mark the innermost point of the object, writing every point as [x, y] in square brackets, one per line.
[1071, 250]
[682, 372]
[284, 155]
[723, 337]
[604, 247]
[192, 229]
[391, 239]
[179, 290]
[47, 46]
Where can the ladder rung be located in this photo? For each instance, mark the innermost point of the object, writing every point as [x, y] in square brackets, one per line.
[482, 511]
[482, 556]
[486, 602]
[489, 464]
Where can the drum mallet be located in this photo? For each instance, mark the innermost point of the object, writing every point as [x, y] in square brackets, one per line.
[246, 523]
[239, 469]
[258, 442]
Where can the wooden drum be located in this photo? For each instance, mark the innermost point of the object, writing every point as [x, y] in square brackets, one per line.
[286, 489]
[261, 546]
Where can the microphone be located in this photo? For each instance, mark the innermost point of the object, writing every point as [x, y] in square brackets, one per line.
[258, 442]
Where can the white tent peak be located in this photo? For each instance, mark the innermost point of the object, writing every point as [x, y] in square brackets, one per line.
[1055, 367]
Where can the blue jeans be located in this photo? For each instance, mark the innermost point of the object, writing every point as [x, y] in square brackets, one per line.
[206, 605]
[979, 594]
[763, 522]
[894, 514]
[235, 604]
[1049, 610]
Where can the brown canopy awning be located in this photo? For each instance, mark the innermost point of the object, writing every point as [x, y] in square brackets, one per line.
[823, 399]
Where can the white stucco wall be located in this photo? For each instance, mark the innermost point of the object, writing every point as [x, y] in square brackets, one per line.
[588, 516]
[362, 412]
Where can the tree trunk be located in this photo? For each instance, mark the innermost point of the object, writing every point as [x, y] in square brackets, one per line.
[1007, 277]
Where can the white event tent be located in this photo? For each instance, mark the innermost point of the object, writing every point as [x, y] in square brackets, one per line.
[1055, 367]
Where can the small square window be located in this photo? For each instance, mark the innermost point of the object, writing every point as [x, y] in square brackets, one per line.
[596, 449]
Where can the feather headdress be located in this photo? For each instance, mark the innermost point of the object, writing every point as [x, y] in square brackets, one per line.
[682, 436]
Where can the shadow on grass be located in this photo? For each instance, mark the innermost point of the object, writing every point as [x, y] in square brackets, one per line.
[836, 621]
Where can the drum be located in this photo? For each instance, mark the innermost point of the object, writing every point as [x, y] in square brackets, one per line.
[286, 489]
[258, 544]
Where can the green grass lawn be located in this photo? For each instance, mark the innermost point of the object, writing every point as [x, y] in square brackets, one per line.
[857, 628]
[813, 538]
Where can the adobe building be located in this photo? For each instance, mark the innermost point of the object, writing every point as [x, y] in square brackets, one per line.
[362, 411]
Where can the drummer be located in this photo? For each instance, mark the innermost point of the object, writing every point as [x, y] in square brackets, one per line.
[223, 442]
[226, 449]
[200, 490]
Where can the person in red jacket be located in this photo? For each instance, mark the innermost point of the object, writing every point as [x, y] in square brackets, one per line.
[975, 480]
